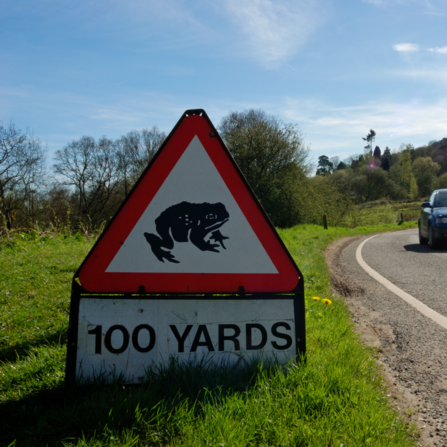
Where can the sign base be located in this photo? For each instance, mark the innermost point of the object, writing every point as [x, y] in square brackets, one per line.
[118, 336]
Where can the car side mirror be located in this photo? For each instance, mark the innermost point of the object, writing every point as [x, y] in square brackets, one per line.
[426, 205]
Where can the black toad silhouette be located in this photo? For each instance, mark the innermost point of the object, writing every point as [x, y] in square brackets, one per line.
[194, 219]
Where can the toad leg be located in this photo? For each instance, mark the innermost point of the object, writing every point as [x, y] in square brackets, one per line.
[164, 241]
[197, 238]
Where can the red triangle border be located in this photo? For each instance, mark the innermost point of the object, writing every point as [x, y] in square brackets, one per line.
[92, 275]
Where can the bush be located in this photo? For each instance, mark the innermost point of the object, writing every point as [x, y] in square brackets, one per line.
[425, 170]
[273, 157]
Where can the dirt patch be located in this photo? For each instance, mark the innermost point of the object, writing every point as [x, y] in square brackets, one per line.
[342, 285]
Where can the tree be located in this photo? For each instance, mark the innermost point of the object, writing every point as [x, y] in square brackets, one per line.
[385, 164]
[325, 166]
[409, 148]
[22, 167]
[402, 172]
[356, 161]
[377, 153]
[373, 184]
[425, 171]
[285, 144]
[134, 151]
[326, 198]
[441, 182]
[440, 156]
[335, 160]
[91, 169]
[341, 179]
[386, 159]
[413, 193]
[370, 138]
[272, 156]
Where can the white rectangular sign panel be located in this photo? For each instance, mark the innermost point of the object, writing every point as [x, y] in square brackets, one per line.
[127, 336]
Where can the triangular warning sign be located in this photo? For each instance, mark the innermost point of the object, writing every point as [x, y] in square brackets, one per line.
[190, 225]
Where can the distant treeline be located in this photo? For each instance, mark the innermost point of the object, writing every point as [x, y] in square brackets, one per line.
[407, 172]
[88, 179]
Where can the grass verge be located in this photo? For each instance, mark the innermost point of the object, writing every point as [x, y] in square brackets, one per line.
[336, 398]
[384, 212]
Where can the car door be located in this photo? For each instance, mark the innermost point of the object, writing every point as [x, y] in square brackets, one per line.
[426, 213]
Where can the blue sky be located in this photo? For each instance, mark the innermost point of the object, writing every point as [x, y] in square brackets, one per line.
[336, 68]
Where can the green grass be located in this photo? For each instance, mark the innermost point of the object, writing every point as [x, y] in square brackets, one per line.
[383, 212]
[336, 398]
[35, 283]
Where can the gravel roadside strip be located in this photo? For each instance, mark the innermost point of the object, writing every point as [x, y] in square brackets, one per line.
[413, 349]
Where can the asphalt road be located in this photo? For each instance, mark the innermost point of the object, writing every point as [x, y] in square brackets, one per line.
[412, 267]
[413, 347]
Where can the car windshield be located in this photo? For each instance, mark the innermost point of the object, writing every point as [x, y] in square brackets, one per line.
[441, 200]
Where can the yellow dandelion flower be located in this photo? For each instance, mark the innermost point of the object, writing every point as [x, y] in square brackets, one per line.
[326, 301]
[315, 298]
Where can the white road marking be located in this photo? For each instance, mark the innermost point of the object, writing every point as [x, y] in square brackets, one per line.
[411, 300]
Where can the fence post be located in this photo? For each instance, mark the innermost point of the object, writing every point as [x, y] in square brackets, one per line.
[325, 222]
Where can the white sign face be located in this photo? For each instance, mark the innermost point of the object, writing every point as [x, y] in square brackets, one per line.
[176, 232]
[127, 336]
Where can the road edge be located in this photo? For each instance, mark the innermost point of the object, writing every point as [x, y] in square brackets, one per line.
[411, 300]
[399, 402]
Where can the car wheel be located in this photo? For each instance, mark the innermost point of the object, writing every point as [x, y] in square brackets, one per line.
[432, 241]
[422, 240]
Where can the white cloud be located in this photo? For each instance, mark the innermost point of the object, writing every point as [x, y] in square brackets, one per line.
[440, 50]
[406, 47]
[269, 31]
[274, 30]
[329, 128]
[113, 116]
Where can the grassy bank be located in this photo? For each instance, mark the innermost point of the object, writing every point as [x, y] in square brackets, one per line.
[336, 398]
[383, 212]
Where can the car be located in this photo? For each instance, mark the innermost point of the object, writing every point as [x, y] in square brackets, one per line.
[433, 221]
